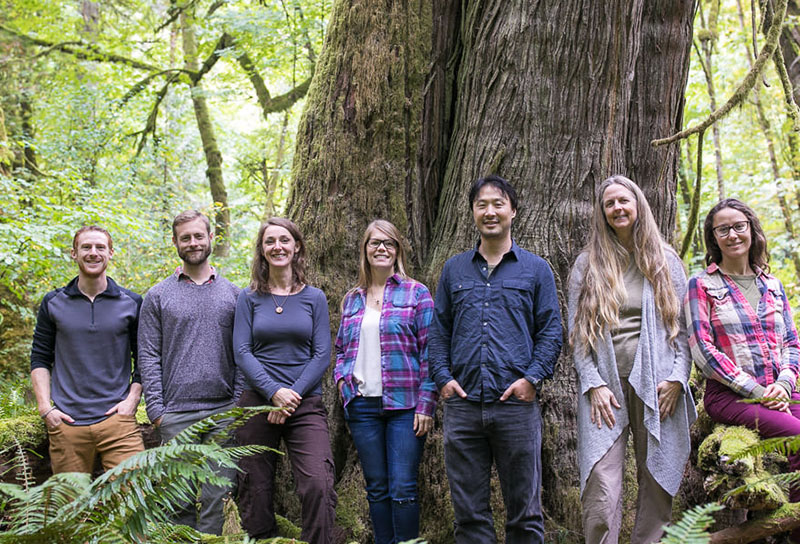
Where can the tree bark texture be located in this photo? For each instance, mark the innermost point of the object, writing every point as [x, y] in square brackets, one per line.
[205, 125]
[411, 103]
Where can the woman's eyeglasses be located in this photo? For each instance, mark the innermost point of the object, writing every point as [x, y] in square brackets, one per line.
[375, 243]
[724, 230]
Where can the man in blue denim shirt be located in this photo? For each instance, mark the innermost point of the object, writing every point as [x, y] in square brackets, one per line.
[496, 334]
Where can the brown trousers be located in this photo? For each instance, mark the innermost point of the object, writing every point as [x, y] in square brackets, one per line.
[73, 448]
[305, 435]
[602, 496]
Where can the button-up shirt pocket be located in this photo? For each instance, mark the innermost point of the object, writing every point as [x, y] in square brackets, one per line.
[722, 308]
[772, 313]
[516, 294]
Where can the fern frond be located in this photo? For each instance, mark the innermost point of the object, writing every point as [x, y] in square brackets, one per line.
[785, 445]
[134, 493]
[218, 428]
[692, 527]
[131, 500]
[785, 480]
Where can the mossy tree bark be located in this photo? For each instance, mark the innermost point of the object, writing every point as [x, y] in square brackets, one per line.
[411, 103]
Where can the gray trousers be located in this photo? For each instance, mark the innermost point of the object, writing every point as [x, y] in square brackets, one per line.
[602, 496]
[210, 518]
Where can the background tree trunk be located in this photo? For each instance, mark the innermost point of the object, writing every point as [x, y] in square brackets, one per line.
[216, 183]
[553, 95]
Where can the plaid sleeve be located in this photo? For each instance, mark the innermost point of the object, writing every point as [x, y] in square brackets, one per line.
[790, 355]
[709, 342]
[426, 402]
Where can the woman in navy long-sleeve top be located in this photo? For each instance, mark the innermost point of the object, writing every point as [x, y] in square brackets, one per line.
[281, 338]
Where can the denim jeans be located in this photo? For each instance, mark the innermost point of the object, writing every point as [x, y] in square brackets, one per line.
[510, 435]
[390, 454]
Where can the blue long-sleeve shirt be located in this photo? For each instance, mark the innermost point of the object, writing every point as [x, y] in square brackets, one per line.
[489, 331]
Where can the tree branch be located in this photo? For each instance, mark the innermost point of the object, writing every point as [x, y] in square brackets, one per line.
[747, 83]
[142, 84]
[86, 51]
[266, 101]
[225, 41]
[788, 92]
[694, 211]
[150, 124]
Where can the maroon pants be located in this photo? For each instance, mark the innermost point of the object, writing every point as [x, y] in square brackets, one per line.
[723, 406]
[305, 434]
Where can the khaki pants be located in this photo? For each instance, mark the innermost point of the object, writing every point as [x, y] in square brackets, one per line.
[73, 448]
[602, 497]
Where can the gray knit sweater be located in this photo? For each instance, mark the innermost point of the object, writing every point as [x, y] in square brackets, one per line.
[656, 360]
[185, 346]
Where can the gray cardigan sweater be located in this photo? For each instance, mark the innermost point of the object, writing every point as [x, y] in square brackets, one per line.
[656, 360]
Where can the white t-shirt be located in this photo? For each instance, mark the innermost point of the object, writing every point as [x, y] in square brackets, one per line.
[367, 369]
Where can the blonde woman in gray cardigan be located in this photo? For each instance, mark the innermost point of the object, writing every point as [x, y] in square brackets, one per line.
[631, 354]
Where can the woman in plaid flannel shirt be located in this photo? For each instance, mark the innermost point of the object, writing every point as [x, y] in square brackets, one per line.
[741, 332]
[382, 375]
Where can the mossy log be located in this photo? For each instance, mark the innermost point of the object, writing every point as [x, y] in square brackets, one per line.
[714, 458]
[786, 518]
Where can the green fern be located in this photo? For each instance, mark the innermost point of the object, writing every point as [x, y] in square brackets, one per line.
[784, 480]
[133, 499]
[692, 528]
[785, 445]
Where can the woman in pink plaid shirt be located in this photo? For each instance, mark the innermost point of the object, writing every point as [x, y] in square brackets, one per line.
[382, 375]
[741, 332]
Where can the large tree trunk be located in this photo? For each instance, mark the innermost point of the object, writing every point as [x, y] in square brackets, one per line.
[409, 106]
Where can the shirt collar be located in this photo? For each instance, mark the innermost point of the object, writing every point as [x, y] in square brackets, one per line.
[513, 252]
[112, 289]
[180, 276]
[395, 279]
[714, 267]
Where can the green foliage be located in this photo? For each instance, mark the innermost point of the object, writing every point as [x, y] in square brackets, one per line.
[785, 445]
[745, 165]
[135, 498]
[16, 399]
[692, 527]
[84, 123]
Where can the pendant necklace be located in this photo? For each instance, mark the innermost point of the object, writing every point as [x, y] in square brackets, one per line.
[279, 307]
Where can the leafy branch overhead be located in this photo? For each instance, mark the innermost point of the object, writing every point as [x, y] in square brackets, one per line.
[767, 53]
[226, 42]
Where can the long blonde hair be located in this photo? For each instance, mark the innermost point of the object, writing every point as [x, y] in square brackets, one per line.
[603, 289]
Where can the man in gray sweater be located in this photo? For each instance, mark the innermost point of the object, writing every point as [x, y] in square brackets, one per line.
[186, 353]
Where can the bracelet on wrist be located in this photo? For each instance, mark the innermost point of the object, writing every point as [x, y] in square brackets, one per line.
[47, 413]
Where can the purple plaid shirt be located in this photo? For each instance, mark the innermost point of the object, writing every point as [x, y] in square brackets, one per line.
[734, 344]
[405, 318]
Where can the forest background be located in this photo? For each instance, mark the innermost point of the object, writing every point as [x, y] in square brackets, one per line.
[125, 112]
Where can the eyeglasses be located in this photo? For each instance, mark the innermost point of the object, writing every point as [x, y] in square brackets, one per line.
[724, 230]
[375, 243]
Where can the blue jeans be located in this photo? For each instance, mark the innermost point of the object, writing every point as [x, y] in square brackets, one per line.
[510, 435]
[390, 454]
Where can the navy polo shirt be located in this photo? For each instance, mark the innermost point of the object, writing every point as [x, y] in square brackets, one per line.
[490, 330]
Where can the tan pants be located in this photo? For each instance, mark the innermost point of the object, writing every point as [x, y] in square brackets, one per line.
[602, 497]
[73, 448]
